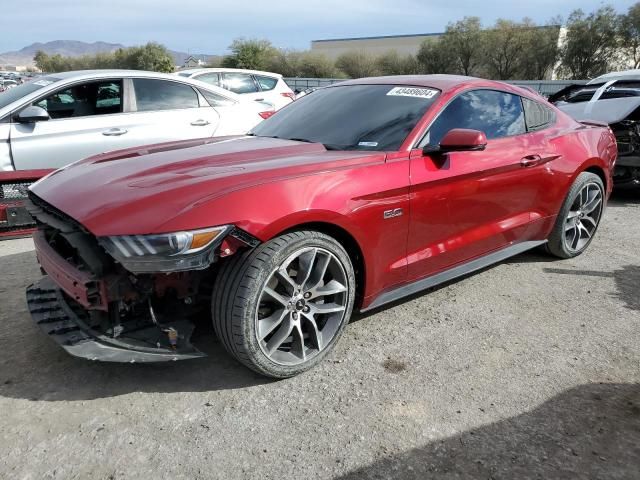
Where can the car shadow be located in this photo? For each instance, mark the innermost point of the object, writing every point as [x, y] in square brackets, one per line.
[624, 197]
[536, 255]
[626, 279]
[590, 431]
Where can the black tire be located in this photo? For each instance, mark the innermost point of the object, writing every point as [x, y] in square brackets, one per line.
[239, 286]
[557, 242]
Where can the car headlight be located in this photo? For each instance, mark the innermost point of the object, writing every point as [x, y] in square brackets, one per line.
[167, 252]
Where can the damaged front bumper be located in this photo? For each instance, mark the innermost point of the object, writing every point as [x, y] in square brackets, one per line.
[56, 316]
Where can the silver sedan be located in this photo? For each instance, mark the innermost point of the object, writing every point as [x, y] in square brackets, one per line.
[63, 117]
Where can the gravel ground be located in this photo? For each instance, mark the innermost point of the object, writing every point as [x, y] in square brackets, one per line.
[529, 369]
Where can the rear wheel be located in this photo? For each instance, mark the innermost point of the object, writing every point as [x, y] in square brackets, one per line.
[579, 217]
[280, 308]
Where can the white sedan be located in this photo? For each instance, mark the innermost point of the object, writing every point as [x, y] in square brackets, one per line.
[253, 84]
[63, 117]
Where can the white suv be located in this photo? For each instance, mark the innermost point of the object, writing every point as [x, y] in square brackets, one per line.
[257, 85]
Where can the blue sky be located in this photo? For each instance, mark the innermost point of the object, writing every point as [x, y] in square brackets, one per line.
[209, 26]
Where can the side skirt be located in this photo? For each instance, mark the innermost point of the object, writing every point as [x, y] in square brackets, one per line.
[452, 273]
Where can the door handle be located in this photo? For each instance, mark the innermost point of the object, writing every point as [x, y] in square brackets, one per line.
[534, 160]
[259, 99]
[530, 160]
[200, 123]
[114, 132]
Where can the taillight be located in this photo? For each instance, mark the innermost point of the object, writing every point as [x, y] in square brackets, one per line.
[3, 214]
[290, 95]
[266, 115]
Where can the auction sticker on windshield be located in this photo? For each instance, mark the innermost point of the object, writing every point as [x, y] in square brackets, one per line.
[412, 92]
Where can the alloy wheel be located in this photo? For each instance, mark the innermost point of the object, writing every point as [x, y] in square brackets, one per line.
[301, 306]
[583, 217]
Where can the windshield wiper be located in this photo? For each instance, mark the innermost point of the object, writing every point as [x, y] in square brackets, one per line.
[305, 140]
[328, 146]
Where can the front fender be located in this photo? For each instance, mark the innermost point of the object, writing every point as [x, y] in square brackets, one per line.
[352, 199]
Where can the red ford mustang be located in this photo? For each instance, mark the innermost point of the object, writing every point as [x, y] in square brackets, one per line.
[349, 198]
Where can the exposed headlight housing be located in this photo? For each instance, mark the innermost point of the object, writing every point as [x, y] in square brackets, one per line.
[167, 252]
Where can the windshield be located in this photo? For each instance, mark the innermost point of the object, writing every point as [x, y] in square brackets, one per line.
[15, 93]
[352, 117]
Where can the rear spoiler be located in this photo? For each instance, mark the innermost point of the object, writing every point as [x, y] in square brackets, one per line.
[593, 123]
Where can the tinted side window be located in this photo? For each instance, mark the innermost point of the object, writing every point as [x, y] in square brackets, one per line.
[266, 83]
[239, 83]
[537, 115]
[163, 95]
[497, 114]
[210, 78]
[216, 100]
[95, 98]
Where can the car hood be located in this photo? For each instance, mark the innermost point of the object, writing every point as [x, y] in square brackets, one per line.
[139, 190]
[610, 110]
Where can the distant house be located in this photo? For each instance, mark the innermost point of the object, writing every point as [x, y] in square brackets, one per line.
[192, 62]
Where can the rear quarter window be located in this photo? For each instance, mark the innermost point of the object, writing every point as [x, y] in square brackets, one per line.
[239, 83]
[537, 116]
[266, 83]
[216, 100]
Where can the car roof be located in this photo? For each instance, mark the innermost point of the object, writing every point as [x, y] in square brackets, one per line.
[110, 73]
[233, 70]
[442, 82]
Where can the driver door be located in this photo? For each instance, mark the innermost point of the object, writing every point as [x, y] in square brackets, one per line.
[83, 116]
[469, 203]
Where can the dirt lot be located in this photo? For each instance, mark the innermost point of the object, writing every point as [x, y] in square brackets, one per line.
[529, 369]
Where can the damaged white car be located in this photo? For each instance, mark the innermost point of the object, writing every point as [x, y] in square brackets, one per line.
[612, 99]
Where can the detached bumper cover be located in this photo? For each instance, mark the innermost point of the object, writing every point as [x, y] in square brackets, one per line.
[55, 317]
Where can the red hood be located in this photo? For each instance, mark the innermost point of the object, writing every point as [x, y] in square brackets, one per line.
[139, 190]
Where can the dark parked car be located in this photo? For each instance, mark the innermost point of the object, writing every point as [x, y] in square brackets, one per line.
[350, 198]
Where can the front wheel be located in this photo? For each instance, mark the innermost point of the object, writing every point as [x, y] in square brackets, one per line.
[280, 308]
[579, 217]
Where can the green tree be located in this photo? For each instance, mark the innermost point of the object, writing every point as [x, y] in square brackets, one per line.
[41, 59]
[590, 45]
[392, 63]
[540, 51]
[505, 49]
[315, 65]
[252, 54]
[629, 34]
[434, 56]
[464, 40]
[293, 63]
[151, 56]
[357, 64]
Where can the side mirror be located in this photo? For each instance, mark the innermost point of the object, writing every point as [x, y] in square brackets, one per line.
[33, 114]
[459, 140]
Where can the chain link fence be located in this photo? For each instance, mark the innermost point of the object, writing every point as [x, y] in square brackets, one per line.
[543, 87]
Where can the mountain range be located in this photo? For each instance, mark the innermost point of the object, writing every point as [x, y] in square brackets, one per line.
[75, 48]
